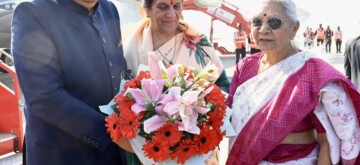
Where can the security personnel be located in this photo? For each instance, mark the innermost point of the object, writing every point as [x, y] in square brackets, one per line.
[253, 48]
[328, 35]
[338, 39]
[320, 35]
[240, 38]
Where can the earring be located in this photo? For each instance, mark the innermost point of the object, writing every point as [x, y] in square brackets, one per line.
[148, 15]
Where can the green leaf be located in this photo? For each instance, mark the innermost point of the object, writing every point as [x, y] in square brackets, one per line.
[187, 135]
[202, 118]
[148, 115]
[143, 134]
[164, 74]
[183, 83]
[150, 107]
[195, 71]
[130, 96]
[115, 108]
[211, 106]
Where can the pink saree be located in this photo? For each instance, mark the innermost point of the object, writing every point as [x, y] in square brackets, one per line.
[296, 98]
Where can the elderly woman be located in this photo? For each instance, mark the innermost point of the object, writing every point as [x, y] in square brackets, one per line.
[173, 41]
[290, 108]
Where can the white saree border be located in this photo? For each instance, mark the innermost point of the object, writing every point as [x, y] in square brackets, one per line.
[257, 91]
[337, 115]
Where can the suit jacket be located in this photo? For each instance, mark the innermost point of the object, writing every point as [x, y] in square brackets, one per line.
[352, 61]
[68, 62]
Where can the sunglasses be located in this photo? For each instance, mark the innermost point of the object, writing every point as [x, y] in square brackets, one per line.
[273, 22]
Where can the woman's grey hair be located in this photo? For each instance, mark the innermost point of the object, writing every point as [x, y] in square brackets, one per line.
[290, 11]
[289, 6]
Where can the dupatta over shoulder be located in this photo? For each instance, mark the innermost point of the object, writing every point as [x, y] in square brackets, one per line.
[189, 47]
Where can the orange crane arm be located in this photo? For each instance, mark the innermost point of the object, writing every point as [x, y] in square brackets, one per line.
[227, 13]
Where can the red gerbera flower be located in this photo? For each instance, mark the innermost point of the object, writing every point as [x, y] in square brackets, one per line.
[156, 150]
[144, 75]
[169, 133]
[215, 95]
[207, 139]
[186, 149]
[220, 135]
[123, 102]
[215, 119]
[129, 123]
[130, 84]
[112, 125]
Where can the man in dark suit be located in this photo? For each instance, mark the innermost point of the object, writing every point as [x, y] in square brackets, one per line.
[352, 61]
[68, 57]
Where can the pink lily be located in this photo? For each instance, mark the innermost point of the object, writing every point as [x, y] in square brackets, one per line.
[151, 92]
[156, 67]
[186, 107]
[154, 123]
[188, 124]
[173, 72]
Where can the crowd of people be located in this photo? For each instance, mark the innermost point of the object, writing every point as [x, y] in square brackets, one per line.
[323, 38]
[288, 107]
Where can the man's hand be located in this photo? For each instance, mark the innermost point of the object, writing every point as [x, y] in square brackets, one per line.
[125, 144]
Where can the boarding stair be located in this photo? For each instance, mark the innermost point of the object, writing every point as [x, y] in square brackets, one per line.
[11, 125]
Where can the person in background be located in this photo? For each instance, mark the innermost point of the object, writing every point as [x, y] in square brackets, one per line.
[68, 58]
[352, 61]
[174, 42]
[312, 36]
[320, 36]
[328, 35]
[288, 107]
[240, 38]
[338, 39]
[253, 48]
[306, 37]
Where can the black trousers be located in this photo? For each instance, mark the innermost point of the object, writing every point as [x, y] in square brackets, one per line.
[241, 51]
[328, 46]
[338, 46]
[318, 41]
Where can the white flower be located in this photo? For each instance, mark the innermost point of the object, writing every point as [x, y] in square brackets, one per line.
[210, 72]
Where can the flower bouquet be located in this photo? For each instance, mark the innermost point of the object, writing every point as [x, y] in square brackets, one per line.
[169, 114]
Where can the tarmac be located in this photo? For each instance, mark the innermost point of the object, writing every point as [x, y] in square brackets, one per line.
[335, 59]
